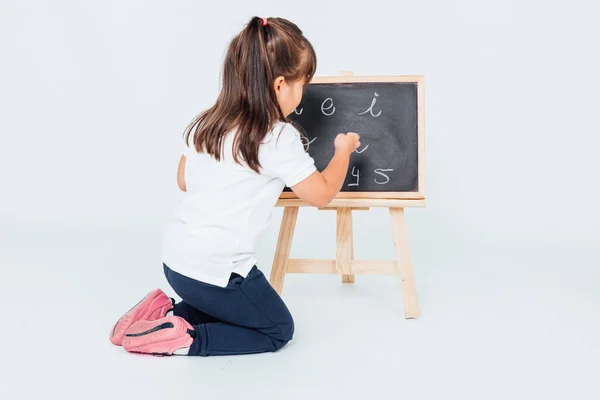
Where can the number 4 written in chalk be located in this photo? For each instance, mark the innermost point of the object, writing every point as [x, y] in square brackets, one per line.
[382, 179]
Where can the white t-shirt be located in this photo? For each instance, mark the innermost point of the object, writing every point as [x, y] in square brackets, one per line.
[227, 205]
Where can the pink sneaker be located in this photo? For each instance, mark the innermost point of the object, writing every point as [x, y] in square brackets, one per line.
[154, 306]
[162, 337]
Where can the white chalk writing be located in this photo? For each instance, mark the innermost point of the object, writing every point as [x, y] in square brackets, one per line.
[325, 109]
[356, 150]
[306, 142]
[381, 171]
[370, 109]
[357, 175]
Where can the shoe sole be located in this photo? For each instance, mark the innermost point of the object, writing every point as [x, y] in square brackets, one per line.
[145, 309]
[161, 337]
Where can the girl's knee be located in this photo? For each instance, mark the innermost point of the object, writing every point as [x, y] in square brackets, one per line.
[287, 328]
[279, 344]
[285, 332]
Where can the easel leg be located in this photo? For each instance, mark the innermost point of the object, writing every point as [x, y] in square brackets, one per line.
[349, 278]
[344, 243]
[405, 267]
[284, 245]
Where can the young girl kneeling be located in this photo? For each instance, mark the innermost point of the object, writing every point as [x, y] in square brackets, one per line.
[238, 157]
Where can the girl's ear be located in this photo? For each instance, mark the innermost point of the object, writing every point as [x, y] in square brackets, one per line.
[277, 83]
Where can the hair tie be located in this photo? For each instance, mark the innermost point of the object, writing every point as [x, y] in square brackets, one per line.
[264, 21]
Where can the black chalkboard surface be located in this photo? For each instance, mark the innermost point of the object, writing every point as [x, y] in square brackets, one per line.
[385, 114]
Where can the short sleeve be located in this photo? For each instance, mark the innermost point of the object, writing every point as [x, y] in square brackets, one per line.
[283, 156]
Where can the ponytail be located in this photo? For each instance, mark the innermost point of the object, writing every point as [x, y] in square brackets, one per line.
[261, 52]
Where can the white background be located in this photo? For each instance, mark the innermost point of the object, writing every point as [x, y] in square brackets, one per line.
[94, 97]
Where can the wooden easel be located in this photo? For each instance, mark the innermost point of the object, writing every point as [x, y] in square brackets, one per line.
[344, 263]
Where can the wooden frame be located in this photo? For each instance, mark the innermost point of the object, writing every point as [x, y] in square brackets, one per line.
[420, 193]
[335, 203]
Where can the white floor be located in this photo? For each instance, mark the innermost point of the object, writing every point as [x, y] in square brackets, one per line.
[498, 321]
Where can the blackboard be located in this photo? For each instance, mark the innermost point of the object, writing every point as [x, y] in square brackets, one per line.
[387, 116]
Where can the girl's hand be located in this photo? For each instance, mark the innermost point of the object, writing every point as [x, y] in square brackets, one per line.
[346, 142]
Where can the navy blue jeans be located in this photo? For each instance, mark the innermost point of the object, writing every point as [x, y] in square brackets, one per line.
[247, 316]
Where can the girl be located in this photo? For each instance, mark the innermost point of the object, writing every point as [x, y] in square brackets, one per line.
[239, 155]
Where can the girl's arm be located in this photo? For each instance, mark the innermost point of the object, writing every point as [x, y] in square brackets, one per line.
[181, 173]
[321, 187]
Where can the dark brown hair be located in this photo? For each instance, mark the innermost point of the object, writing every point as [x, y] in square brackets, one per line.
[247, 102]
